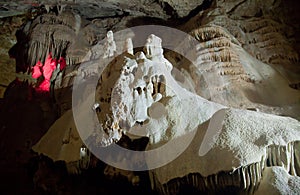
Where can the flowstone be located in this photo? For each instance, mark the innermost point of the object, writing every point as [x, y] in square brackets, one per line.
[232, 150]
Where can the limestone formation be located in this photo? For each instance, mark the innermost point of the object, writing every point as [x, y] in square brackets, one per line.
[146, 82]
[246, 141]
[225, 61]
[48, 33]
[133, 98]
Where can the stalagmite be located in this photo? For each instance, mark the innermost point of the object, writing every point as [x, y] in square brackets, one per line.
[110, 45]
[129, 46]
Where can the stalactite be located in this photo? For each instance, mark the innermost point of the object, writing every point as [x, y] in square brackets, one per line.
[217, 42]
[260, 25]
[245, 179]
[293, 57]
[209, 32]
[218, 56]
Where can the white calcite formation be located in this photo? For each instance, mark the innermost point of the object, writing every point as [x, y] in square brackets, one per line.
[129, 46]
[232, 149]
[247, 58]
[225, 72]
[146, 97]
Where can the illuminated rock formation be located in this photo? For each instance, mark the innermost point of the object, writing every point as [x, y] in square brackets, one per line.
[231, 152]
[144, 85]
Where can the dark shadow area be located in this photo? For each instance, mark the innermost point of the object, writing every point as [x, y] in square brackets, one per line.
[205, 5]
[144, 20]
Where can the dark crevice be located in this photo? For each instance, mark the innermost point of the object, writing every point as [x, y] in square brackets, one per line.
[295, 86]
[173, 21]
[235, 7]
[125, 13]
[147, 20]
[204, 6]
[168, 9]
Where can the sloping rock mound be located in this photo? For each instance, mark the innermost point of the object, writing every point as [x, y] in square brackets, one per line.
[232, 77]
[230, 152]
[64, 140]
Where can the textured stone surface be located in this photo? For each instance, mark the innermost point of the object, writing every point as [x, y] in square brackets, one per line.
[277, 181]
[248, 52]
[9, 26]
[236, 138]
[134, 85]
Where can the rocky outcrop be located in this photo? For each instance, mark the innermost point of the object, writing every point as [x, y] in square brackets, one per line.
[245, 142]
[265, 31]
[236, 67]
[9, 26]
[247, 151]
[137, 84]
